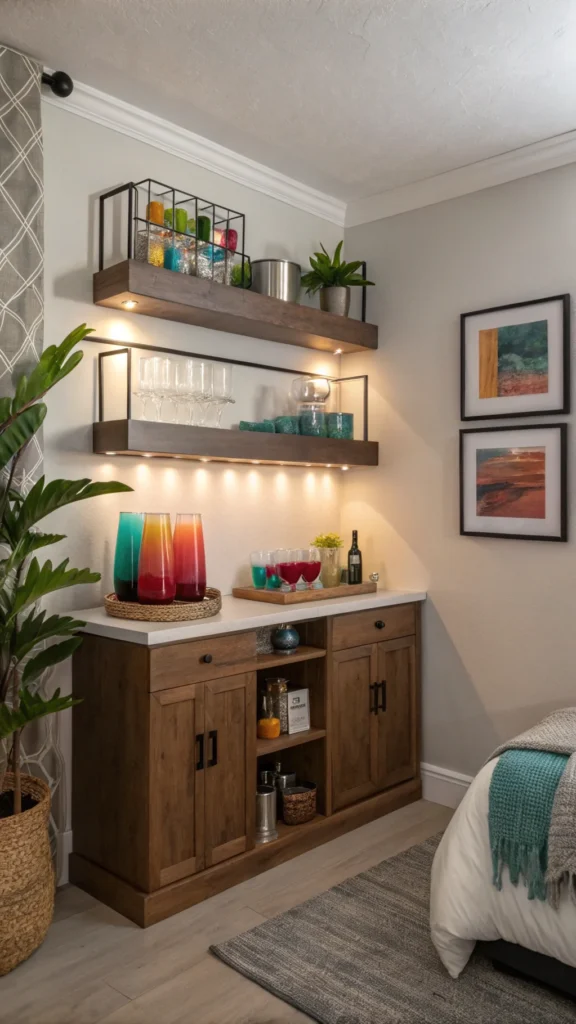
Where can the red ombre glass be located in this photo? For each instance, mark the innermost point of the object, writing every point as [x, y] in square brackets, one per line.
[189, 557]
[156, 580]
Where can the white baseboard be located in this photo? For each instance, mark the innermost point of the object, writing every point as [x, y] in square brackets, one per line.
[63, 849]
[442, 785]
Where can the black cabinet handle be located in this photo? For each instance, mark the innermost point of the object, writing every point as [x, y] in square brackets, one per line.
[207, 658]
[200, 761]
[213, 735]
[379, 624]
[383, 696]
[374, 689]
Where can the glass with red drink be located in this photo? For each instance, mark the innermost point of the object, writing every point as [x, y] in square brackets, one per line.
[289, 566]
[310, 565]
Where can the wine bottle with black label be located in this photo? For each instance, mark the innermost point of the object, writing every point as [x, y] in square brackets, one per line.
[354, 560]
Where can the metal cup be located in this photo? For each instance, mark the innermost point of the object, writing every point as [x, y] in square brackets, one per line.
[266, 814]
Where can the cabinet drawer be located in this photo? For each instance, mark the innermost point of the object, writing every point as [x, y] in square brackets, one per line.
[199, 660]
[369, 627]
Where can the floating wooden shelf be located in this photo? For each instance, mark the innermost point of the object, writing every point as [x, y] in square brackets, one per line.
[303, 653]
[194, 300]
[172, 440]
[285, 741]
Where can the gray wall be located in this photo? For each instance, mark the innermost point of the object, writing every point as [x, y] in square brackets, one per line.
[500, 622]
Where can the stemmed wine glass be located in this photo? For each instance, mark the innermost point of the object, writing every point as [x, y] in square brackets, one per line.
[310, 566]
[222, 389]
[164, 387]
[205, 390]
[145, 384]
[289, 566]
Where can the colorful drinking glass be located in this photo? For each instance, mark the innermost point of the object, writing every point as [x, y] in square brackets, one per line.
[259, 560]
[189, 557]
[126, 558]
[156, 579]
[310, 565]
[288, 565]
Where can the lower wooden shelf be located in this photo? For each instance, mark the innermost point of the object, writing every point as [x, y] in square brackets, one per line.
[209, 444]
[286, 831]
[286, 741]
[149, 908]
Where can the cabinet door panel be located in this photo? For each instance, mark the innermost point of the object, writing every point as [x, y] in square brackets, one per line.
[177, 785]
[353, 776]
[396, 726]
[230, 776]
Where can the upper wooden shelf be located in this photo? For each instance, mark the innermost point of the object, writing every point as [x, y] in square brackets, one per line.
[194, 300]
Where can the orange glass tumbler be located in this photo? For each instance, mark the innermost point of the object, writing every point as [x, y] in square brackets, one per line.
[156, 579]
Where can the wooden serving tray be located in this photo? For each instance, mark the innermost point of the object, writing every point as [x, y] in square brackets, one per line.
[298, 596]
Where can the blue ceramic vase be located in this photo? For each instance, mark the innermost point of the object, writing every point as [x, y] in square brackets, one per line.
[285, 639]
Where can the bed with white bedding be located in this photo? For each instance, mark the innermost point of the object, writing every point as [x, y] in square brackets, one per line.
[466, 907]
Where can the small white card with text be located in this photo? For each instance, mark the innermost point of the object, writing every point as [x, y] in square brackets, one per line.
[298, 711]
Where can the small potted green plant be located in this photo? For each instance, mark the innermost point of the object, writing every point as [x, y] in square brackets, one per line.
[329, 545]
[241, 276]
[31, 641]
[333, 278]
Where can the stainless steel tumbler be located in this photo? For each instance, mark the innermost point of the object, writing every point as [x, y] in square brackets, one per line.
[266, 814]
[279, 279]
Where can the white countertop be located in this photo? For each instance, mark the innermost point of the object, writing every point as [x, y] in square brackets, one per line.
[236, 615]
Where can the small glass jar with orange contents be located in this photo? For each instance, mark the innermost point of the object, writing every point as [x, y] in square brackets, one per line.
[268, 727]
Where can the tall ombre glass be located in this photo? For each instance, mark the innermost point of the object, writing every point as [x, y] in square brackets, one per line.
[156, 579]
[127, 555]
[189, 557]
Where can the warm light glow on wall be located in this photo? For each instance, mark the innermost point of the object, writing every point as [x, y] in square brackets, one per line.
[170, 480]
[281, 485]
[200, 481]
[119, 330]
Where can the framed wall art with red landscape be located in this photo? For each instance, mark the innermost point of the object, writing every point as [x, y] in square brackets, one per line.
[515, 360]
[513, 482]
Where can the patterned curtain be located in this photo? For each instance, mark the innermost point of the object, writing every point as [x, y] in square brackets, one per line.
[21, 293]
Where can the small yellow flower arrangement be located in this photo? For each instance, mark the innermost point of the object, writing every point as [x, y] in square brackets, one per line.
[327, 540]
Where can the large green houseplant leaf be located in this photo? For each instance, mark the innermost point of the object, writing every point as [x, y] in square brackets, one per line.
[31, 641]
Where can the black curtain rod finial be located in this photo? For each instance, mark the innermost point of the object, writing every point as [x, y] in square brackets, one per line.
[60, 83]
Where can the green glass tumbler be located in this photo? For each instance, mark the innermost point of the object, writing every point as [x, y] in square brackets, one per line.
[127, 556]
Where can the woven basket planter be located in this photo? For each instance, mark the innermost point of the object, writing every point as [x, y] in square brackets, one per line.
[26, 876]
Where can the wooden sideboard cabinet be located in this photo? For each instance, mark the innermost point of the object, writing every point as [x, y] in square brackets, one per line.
[166, 759]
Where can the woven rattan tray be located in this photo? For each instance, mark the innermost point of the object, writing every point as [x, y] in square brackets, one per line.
[179, 611]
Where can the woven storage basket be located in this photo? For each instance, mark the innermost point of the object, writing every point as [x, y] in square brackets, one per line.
[179, 611]
[299, 803]
[26, 876]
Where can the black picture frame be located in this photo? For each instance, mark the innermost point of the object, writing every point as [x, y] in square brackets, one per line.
[565, 408]
[562, 429]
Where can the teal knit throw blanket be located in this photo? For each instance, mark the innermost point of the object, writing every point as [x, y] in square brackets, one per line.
[522, 791]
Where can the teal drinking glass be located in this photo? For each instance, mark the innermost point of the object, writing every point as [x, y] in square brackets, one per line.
[128, 541]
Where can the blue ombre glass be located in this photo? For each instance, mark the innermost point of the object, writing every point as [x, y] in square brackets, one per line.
[127, 555]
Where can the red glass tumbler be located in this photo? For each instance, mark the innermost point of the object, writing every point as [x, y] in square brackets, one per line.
[156, 579]
[189, 557]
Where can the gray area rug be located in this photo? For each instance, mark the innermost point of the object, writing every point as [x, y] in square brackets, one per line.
[361, 954]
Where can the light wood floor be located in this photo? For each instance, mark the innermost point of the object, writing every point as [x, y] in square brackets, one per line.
[95, 966]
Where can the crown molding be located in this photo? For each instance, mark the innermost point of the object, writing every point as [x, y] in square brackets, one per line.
[155, 131]
[171, 138]
[519, 163]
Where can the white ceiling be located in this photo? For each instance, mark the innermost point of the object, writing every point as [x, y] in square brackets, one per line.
[349, 96]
